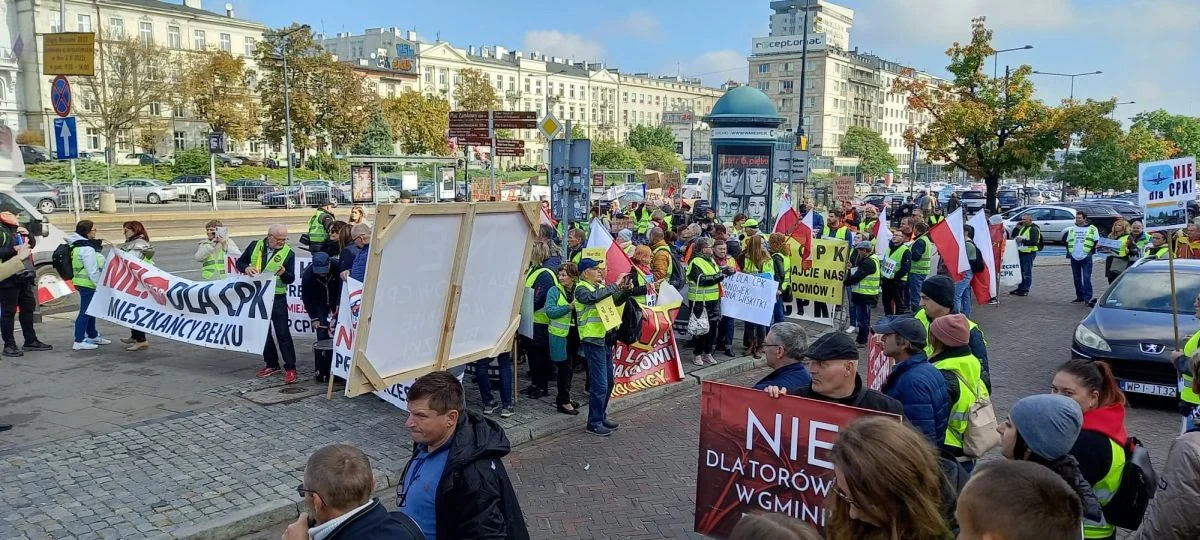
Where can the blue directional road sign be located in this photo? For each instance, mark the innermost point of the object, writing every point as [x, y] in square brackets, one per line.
[64, 137]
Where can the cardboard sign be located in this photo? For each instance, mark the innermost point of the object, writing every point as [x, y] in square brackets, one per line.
[1164, 189]
[843, 189]
[820, 280]
[609, 313]
[764, 454]
[748, 298]
[1010, 265]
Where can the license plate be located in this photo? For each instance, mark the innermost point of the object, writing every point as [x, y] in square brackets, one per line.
[1150, 389]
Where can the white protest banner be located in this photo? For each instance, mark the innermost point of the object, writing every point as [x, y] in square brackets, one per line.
[232, 314]
[297, 315]
[1164, 189]
[1010, 266]
[1110, 243]
[749, 298]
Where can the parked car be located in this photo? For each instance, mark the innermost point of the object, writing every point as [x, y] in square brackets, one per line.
[226, 160]
[1007, 200]
[144, 190]
[315, 193]
[250, 161]
[194, 186]
[141, 158]
[90, 193]
[1055, 220]
[972, 201]
[35, 154]
[1128, 209]
[1131, 326]
[247, 189]
[41, 195]
[92, 156]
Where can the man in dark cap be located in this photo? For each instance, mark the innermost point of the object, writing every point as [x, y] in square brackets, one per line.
[593, 339]
[937, 300]
[865, 286]
[914, 382]
[321, 292]
[832, 361]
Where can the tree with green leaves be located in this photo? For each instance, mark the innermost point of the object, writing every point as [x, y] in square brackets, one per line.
[215, 85]
[993, 127]
[419, 122]
[643, 138]
[1111, 163]
[376, 140]
[474, 92]
[1182, 131]
[660, 159]
[869, 147]
[608, 154]
[577, 132]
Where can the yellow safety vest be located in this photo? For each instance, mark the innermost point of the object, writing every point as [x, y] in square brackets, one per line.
[924, 318]
[702, 293]
[82, 279]
[1124, 240]
[768, 267]
[560, 326]
[934, 220]
[316, 231]
[1161, 252]
[539, 316]
[643, 223]
[1186, 393]
[868, 226]
[272, 266]
[786, 267]
[1089, 239]
[214, 265]
[869, 285]
[969, 371]
[590, 324]
[921, 266]
[897, 255]
[1105, 489]
[842, 233]
[1026, 247]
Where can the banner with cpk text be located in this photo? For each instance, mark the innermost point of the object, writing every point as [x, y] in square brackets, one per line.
[232, 314]
[297, 315]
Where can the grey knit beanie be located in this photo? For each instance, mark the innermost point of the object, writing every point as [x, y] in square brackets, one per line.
[1048, 423]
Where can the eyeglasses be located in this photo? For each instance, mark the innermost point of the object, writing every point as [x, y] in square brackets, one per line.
[772, 345]
[844, 496]
[300, 490]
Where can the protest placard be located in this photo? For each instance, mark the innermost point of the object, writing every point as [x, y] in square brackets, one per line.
[609, 313]
[232, 314]
[1109, 243]
[1010, 266]
[748, 298]
[843, 189]
[764, 454]
[820, 279]
[879, 365]
[297, 315]
[1164, 189]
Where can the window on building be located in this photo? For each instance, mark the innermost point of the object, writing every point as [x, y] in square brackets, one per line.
[226, 43]
[199, 42]
[155, 109]
[178, 111]
[55, 21]
[442, 73]
[765, 86]
[457, 78]
[93, 138]
[250, 45]
[785, 87]
[764, 67]
[785, 103]
[499, 82]
[624, 97]
[512, 83]
[527, 80]
[537, 85]
[84, 22]
[173, 39]
[572, 91]
[123, 140]
[146, 32]
[428, 74]
[560, 89]
[116, 28]
[179, 140]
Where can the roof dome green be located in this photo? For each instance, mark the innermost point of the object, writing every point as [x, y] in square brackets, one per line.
[744, 102]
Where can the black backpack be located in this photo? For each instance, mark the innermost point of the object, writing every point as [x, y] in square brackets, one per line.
[1138, 483]
[61, 260]
[631, 323]
[976, 258]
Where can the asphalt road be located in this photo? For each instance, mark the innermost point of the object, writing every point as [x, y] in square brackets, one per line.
[175, 256]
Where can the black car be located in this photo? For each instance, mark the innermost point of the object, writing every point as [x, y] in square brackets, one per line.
[315, 193]
[247, 189]
[1007, 200]
[1128, 210]
[34, 154]
[1131, 326]
[1101, 215]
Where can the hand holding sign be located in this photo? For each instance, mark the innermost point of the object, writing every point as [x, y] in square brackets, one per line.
[608, 313]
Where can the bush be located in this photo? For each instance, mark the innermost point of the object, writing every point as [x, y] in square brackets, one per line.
[191, 161]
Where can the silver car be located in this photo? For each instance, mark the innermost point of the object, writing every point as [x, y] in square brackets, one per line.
[144, 190]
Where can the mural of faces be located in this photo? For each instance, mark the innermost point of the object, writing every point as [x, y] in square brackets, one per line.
[756, 181]
[731, 180]
[728, 207]
[757, 207]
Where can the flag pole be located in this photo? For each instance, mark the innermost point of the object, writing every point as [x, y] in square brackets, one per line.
[1174, 301]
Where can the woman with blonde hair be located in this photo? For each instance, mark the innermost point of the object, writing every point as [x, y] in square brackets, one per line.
[756, 260]
[888, 485]
[1118, 259]
[358, 215]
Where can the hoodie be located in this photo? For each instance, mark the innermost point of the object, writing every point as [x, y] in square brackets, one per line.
[88, 254]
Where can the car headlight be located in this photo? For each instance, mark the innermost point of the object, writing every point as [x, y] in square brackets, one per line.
[1090, 339]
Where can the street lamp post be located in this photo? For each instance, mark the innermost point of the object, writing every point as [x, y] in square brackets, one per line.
[1113, 114]
[287, 102]
[1067, 151]
[996, 60]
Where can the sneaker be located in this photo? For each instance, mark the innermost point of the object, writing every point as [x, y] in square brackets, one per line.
[12, 350]
[98, 340]
[262, 373]
[698, 360]
[1016, 292]
[1022, 293]
[994, 302]
[507, 412]
[712, 360]
[599, 430]
[83, 346]
[610, 424]
[290, 376]
[852, 330]
[489, 408]
[37, 346]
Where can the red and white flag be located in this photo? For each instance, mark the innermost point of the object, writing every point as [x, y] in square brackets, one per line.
[616, 262]
[544, 218]
[951, 244]
[787, 216]
[983, 284]
[882, 235]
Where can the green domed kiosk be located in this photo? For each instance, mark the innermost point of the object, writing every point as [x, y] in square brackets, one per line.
[746, 138]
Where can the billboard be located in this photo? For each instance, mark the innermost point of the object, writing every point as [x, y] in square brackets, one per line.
[785, 44]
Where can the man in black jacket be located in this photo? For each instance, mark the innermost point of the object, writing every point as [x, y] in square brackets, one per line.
[321, 292]
[865, 287]
[337, 488]
[455, 486]
[832, 361]
[18, 293]
[273, 255]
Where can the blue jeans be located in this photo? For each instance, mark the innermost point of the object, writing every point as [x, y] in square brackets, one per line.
[860, 316]
[962, 294]
[85, 325]
[1026, 270]
[725, 338]
[915, 281]
[600, 382]
[1081, 271]
[483, 378]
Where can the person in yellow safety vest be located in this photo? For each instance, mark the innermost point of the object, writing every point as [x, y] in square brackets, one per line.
[756, 260]
[963, 372]
[1118, 258]
[212, 251]
[642, 216]
[835, 227]
[559, 309]
[540, 279]
[935, 218]
[895, 276]
[137, 244]
[749, 230]
[589, 292]
[625, 240]
[86, 265]
[1100, 448]
[1189, 400]
[937, 300]
[318, 227]
[1081, 243]
[272, 255]
[1157, 249]
[781, 258]
[1028, 237]
[1138, 237]
[870, 218]
[865, 287]
[576, 240]
[704, 279]
[662, 265]
[643, 275]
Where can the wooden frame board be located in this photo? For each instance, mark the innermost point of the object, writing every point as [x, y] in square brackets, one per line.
[384, 277]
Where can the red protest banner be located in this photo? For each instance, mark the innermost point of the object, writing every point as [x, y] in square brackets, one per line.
[759, 453]
[638, 367]
[879, 365]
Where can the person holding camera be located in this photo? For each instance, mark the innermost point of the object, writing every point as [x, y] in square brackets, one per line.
[18, 290]
[213, 250]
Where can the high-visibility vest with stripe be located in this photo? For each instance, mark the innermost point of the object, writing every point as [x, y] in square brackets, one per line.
[869, 285]
[214, 265]
[629, 248]
[897, 255]
[768, 267]
[643, 223]
[539, 316]
[1089, 239]
[969, 371]
[868, 226]
[590, 324]
[841, 233]
[577, 257]
[924, 318]
[786, 268]
[921, 265]
[1186, 393]
[82, 279]
[1124, 240]
[1105, 489]
[670, 259]
[934, 220]
[1161, 252]
[1026, 233]
[316, 231]
[702, 293]
[560, 326]
[273, 265]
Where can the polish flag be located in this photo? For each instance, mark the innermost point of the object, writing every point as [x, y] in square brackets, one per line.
[882, 234]
[983, 283]
[545, 219]
[803, 232]
[951, 245]
[616, 262]
[787, 216]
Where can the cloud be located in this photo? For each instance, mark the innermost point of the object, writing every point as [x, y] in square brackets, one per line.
[638, 24]
[570, 46]
[941, 22]
[716, 67]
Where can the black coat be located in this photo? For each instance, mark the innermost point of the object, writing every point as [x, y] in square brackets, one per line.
[376, 523]
[289, 264]
[475, 499]
[8, 250]
[321, 294]
[863, 398]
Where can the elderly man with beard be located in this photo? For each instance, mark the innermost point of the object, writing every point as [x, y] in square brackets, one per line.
[832, 361]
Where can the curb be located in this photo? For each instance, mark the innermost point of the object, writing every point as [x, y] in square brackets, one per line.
[270, 513]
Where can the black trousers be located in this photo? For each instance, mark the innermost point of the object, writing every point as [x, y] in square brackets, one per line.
[895, 296]
[137, 335]
[323, 359]
[279, 339]
[541, 368]
[22, 295]
[704, 344]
